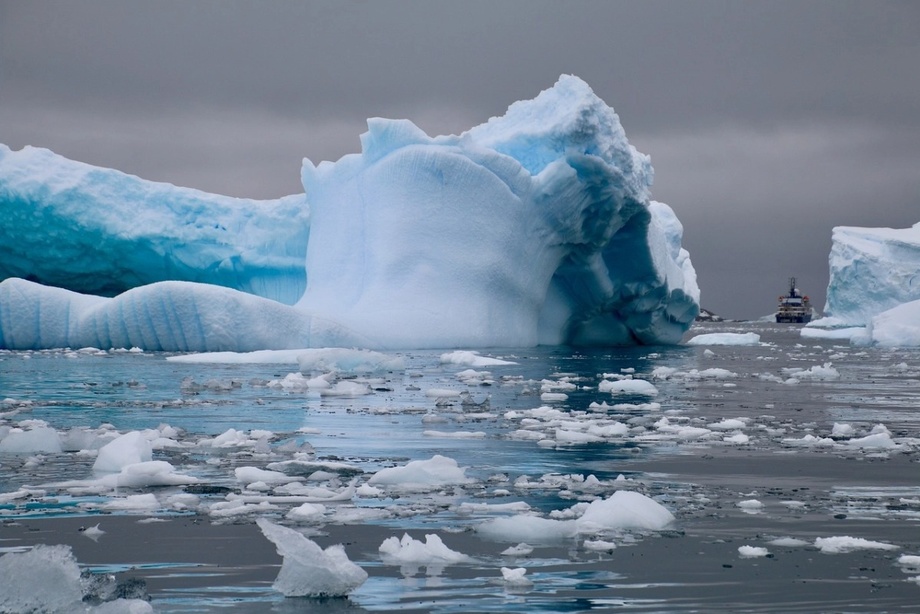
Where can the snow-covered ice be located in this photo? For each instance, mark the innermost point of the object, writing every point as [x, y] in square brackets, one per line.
[841, 544]
[406, 550]
[725, 339]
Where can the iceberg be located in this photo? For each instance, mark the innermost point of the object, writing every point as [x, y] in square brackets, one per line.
[872, 270]
[535, 227]
[100, 231]
[873, 296]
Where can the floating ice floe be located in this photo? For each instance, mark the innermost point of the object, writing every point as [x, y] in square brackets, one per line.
[47, 578]
[623, 511]
[638, 387]
[409, 551]
[515, 576]
[421, 475]
[844, 543]
[472, 359]
[725, 339]
[751, 552]
[816, 373]
[306, 569]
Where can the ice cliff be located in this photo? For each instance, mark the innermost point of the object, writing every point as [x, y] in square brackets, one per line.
[100, 231]
[875, 282]
[535, 227]
[871, 271]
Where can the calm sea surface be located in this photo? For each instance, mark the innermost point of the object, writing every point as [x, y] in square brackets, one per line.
[739, 444]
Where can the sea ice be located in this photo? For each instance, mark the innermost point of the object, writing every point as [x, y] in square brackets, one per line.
[46, 579]
[472, 359]
[725, 339]
[624, 510]
[128, 449]
[534, 227]
[639, 387]
[844, 543]
[750, 552]
[411, 551]
[40, 440]
[306, 569]
[419, 475]
[515, 576]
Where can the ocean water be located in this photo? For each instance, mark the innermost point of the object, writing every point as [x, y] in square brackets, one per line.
[739, 443]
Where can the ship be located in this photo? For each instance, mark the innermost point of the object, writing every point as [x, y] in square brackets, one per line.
[793, 307]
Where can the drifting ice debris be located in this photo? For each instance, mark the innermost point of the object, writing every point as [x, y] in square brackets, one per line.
[48, 579]
[307, 570]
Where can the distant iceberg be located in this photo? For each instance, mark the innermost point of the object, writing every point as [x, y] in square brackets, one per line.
[875, 283]
[535, 227]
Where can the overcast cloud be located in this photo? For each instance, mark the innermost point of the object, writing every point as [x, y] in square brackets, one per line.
[768, 123]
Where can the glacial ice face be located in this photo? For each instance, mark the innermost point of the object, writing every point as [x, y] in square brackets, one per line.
[535, 227]
[100, 231]
[872, 270]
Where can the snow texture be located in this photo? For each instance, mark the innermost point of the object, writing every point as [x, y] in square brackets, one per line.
[534, 227]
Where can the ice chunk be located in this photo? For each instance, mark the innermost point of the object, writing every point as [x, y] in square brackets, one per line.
[306, 569]
[515, 576]
[844, 543]
[472, 359]
[896, 327]
[428, 474]
[750, 552]
[407, 550]
[625, 510]
[42, 439]
[725, 339]
[48, 579]
[127, 449]
[43, 579]
[535, 227]
[639, 387]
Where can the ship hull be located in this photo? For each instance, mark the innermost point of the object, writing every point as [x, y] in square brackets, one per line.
[794, 319]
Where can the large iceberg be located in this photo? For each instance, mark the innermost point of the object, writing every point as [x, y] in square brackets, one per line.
[872, 270]
[875, 283]
[535, 227]
[100, 231]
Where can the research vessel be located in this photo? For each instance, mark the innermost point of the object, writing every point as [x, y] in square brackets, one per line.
[793, 307]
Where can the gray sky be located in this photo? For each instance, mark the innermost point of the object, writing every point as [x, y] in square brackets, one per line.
[768, 122]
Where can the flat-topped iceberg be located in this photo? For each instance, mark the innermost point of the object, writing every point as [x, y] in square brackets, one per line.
[100, 231]
[535, 227]
[872, 270]
[874, 283]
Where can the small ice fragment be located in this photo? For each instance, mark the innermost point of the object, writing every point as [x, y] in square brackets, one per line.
[522, 549]
[515, 576]
[749, 552]
[93, 532]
